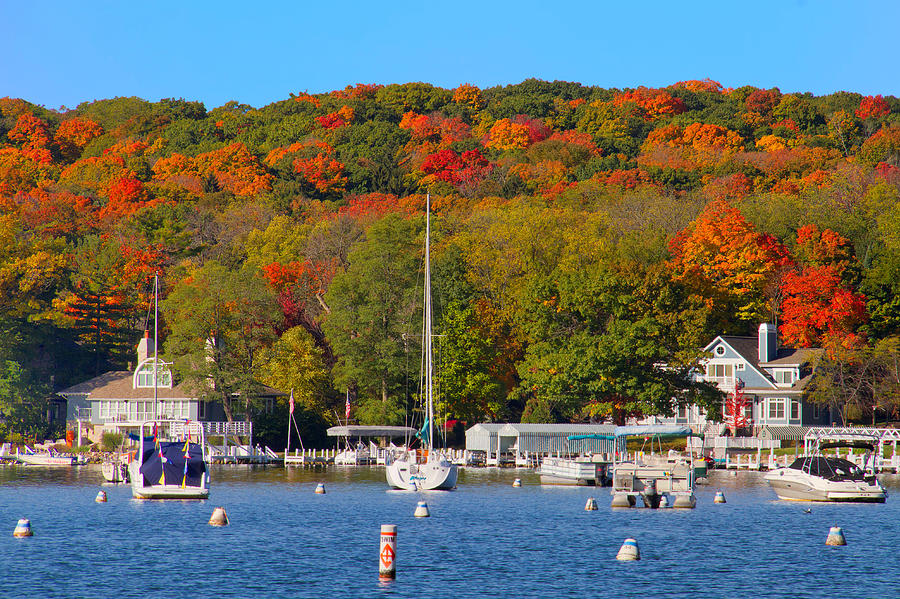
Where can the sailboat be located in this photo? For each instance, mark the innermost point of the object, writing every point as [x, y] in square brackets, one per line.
[171, 459]
[435, 471]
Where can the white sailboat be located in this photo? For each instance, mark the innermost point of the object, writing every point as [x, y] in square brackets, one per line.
[435, 471]
[171, 459]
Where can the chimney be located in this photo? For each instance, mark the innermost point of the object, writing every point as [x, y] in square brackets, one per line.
[145, 347]
[768, 342]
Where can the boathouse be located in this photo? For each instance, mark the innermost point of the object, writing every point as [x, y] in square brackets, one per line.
[519, 442]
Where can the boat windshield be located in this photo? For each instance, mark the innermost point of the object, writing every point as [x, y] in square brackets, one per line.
[831, 468]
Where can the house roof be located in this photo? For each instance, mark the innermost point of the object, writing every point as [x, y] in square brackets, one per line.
[118, 384]
[748, 348]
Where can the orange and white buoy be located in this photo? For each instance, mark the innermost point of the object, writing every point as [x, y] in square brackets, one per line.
[219, 517]
[23, 528]
[387, 552]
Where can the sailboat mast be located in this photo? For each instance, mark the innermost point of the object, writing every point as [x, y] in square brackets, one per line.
[429, 397]
[155, 345]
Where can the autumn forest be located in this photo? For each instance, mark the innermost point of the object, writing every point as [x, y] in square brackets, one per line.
[587, 244]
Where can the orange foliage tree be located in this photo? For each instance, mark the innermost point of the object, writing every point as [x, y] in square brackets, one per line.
[34, 135]
[654, 103]
[74, 134]
[872, 107]
[728, 260]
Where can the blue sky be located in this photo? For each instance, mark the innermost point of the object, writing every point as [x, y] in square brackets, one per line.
[64, 53]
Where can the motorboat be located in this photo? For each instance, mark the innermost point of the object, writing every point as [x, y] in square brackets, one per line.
[171, 461]
[429, 468]
[44, 458]
[818, 477]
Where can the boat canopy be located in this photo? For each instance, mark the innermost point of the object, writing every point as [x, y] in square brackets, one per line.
[640, 430]
[355, 430]
[867, 445]
[173, 463]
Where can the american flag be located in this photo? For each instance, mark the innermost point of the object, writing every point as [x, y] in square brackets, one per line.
[347, 408]
[291, 403]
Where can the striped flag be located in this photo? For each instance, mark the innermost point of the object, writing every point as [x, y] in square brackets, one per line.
[347, 407]
[291, 403]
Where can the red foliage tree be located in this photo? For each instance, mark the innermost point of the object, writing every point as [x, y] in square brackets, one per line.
[872, 107]
[818, 309]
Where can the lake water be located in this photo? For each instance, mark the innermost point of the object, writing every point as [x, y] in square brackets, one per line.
[486, 539]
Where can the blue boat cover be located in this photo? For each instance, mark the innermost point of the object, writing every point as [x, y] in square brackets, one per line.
[177, 468]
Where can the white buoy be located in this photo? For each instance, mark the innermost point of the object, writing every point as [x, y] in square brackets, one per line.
[387, 552]
[591, 505]
[101, 497]
[517, 482]
[422, 510]
[664, 501]
[835, 536]
[219, 517]
[23, 528]
[320, 488]
[629, 551]
[720, 497]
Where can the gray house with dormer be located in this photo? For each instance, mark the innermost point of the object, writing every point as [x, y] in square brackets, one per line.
[771, 379]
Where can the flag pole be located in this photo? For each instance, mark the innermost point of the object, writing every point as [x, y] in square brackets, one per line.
[290, 417]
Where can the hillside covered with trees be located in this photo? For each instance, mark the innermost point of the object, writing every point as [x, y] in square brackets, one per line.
[584, 237]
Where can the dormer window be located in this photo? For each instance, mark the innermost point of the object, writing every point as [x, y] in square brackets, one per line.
[143, 376]
[784, 377]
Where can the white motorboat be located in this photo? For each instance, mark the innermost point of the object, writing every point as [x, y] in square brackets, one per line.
[434, 470]
[171, 461]
[818, 477]
[115, 468]
[48, 458]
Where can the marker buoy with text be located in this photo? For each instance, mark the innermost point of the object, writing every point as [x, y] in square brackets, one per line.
[387, 552]
[219, 517]
[629, 551]
[23, 528]
[720, 497]
[835, 536]
[591, 505]
[320, 489]
[101, 497]
[422, 510]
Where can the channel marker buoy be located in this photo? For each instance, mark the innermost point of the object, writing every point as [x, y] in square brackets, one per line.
[421, 510]
[835, 536]
[23, 528]
[629, 551]
[219, 517]
[720, 497]
[101, 497]
[320, 489]
[591, 504]
[517, 482]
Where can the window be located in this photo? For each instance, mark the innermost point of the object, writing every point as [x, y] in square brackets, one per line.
[816, 413]
[144, 376]
[681, 412]
[201, 413]
[720, 350]
[776, 408]
[795, 409]
[739, 366]
[748, 411]
[719, 371]
[785, 377]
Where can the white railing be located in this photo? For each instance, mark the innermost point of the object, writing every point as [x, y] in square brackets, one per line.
[239, 427]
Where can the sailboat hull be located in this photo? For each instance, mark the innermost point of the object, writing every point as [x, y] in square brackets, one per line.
[438, 474]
